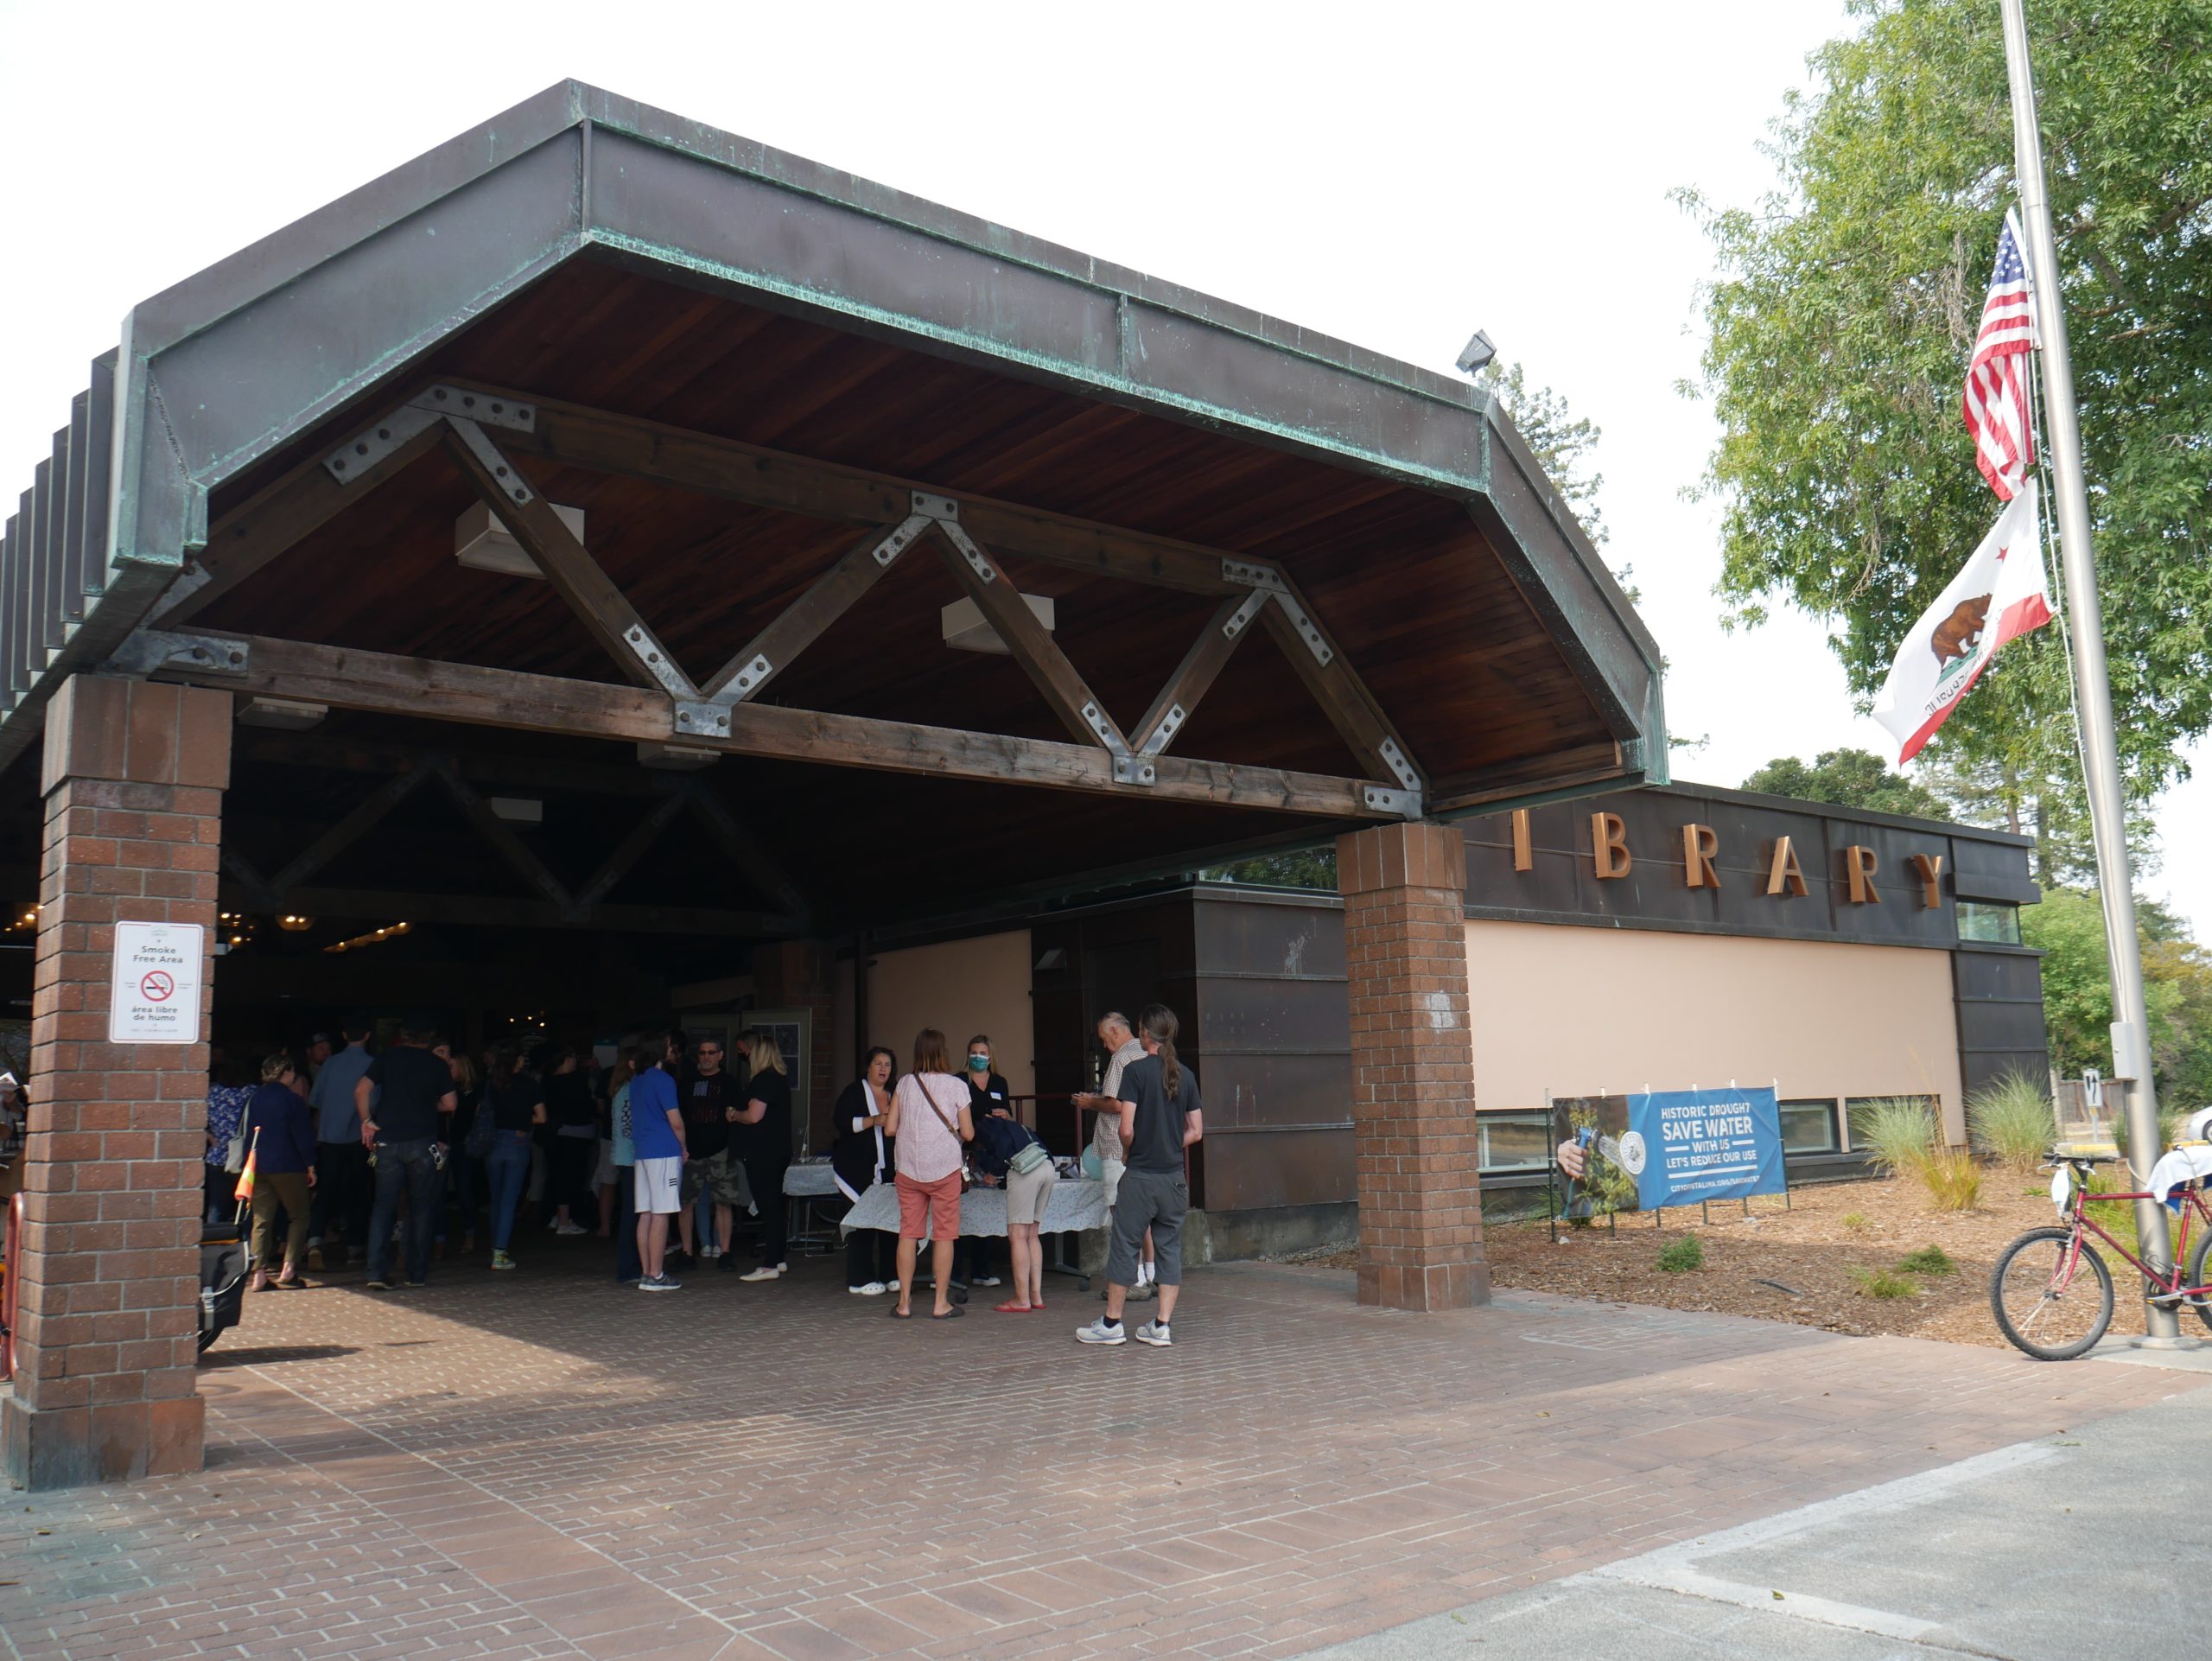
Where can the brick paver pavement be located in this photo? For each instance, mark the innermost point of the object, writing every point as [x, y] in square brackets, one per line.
[544, 1465]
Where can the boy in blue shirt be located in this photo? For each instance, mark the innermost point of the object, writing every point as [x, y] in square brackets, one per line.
[657, 1130]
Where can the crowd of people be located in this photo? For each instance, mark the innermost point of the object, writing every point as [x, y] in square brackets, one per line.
[673, 1148]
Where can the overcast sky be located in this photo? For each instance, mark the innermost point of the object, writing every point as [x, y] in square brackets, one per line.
[1398, 177]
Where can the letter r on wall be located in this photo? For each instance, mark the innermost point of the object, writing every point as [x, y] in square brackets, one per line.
[1699, 844]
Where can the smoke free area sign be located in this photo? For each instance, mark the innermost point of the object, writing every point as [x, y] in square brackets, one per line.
[155, 995]
[1684, 1145]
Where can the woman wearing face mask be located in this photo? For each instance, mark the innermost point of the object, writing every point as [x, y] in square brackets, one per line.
[976, 1262]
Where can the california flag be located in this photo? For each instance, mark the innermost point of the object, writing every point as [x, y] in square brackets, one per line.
[1998, 596]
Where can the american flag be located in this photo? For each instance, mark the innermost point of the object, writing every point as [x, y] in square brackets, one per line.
[1997, 386]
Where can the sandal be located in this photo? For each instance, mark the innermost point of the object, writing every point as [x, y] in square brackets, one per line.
[897, 1314]
[953, 1314]
[1012, 1308]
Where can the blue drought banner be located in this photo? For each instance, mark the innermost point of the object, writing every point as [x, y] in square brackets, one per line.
[1683, 1146]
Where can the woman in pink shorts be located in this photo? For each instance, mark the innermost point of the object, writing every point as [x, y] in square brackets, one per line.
[929, 1116]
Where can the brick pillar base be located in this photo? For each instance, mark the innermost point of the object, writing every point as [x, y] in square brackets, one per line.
[110, 1267]
[1421, 1231]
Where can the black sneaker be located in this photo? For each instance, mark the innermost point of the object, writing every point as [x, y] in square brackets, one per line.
[376, 1285]
[727, 1263]
[416, 1286]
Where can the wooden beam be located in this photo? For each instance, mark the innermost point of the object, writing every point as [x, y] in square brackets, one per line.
[1208, 654]
[1335, 686]
[249, 536]
[242, 872]
[602, 443]
[1078, 709]
[801, 623]
[497, 831]
[348, 831]
[383, 682]
[492, 911]
[629, 851]
[574, 574]
[758, 865]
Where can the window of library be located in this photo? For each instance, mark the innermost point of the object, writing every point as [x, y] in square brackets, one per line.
[1808, 1126]
[1512, 1143]
[1856, 1108]
[1989, 921]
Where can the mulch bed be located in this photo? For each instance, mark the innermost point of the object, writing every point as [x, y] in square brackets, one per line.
[1811, 1249]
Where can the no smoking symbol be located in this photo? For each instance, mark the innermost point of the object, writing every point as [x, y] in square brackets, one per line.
[157, 986]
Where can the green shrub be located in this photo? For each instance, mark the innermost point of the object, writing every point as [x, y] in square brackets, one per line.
[1881, 1284]
[1929, 1260]
[2170, 1120]
[1857, 1220]
[1898, 1132]
[2012, 1122]
[1952, 1179]
[1679, 1256]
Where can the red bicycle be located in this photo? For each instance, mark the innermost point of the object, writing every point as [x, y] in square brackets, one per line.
[2052, 1293]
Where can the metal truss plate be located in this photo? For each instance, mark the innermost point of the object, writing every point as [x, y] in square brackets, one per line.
[479, 407]
[695, 720]
[1309, 630]
[941, 508]
[1164, 734]
[376, 442]
[150, 649]
[977, 562]
[1406, 804]
[1241, 619]
[1095, 718]
[749, 680]
[1134, 770]
[651, 653]
[1248, 573]
[900, 540]
[1395, 759]
[493, 459]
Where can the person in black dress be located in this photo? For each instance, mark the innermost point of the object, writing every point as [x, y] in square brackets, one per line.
[859, 1159]
[761, 1136]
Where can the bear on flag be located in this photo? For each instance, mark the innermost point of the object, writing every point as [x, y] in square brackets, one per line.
[1998, 597]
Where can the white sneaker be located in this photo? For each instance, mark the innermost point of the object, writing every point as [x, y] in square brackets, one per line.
[987, 1280]
[1100, 1333]
[873, 1290]
[764, 1273]
[569, 1229]
[1154, 1332]
[710, 1251]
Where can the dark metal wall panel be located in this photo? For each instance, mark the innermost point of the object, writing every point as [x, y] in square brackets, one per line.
[1252, 1090]
[1999, 996]
[1268, 1016]
[1243, 935]
[99, 465]
[47, 483]
[1287, 1167]
[12, 604]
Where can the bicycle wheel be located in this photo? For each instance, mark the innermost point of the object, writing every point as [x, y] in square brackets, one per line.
[2043, 1307]
[2197, 1254]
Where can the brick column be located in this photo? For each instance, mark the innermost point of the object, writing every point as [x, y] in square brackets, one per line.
[133, 781]
[1420, 1236]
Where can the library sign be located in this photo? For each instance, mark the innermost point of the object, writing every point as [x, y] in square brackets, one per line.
[1613, 860]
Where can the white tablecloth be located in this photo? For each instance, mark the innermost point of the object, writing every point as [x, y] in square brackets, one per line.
[810, 1178]
[1076, 1202]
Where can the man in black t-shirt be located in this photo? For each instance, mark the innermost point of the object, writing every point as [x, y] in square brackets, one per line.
[1160, 1118]
[399, 1099]
[712, 1168]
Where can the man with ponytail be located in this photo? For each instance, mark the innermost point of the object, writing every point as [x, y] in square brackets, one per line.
[1161, 1119]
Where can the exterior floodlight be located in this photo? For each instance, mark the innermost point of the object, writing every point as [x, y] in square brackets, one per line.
[1479, 351]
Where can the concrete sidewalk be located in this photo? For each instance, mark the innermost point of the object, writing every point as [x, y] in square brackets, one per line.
[2087, 1542]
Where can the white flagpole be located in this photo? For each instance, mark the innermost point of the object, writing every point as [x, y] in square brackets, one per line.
[2130, 1029]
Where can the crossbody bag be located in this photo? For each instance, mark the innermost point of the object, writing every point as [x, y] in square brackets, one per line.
[950, 1124]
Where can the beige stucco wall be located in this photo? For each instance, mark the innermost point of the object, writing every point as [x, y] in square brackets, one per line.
[960, 987]
[1589, 1011]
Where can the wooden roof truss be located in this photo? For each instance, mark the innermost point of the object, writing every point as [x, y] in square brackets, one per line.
[484, 429]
